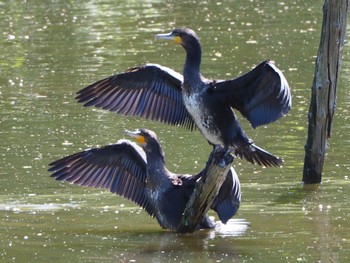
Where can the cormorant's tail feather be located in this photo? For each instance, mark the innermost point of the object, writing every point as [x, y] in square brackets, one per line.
[257, 155]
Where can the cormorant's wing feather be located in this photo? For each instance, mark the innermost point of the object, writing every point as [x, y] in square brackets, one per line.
[120, 168]
[227, 202]
[150, 91]
[262, 95]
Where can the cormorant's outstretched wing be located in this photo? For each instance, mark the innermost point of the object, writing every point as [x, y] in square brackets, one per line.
[262, 95]
[120, 168]
[151, 91]
[228, 200]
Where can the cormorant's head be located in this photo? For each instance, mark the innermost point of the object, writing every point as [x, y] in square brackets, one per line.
[145, 138]
[181, 36]
[148, 140]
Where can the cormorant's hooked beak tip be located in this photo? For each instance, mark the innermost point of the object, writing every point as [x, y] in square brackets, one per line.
[168, 36]
[132, 133]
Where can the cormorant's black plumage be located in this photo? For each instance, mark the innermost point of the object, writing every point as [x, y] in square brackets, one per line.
[159, 93]
[139, 174]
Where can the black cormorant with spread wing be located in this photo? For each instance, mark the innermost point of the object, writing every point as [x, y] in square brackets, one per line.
[139, 174]
[159, 93]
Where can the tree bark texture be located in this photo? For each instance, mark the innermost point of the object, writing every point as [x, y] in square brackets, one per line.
[206, 189]
[324, 88]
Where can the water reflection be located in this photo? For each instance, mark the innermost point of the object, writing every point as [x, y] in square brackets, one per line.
[233, 228]
[166, 246]
[325, 239]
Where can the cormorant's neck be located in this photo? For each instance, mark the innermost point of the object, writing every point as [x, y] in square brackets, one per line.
[193, 61]
[155, 164]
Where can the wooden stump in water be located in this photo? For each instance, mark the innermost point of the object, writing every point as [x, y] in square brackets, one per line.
[206, 189]
[324, 88]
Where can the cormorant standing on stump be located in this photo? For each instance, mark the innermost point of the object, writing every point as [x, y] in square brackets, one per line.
[159, 93]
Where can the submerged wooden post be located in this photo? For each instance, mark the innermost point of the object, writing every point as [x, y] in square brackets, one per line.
[324, 88]
[206, 189]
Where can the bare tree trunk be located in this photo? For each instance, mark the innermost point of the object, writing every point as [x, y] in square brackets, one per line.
[206, 189]
[324, 88]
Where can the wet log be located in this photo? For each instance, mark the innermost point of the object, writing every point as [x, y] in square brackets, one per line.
[324, 88]
[207, 188]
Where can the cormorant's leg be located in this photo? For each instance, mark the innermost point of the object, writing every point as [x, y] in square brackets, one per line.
[229, 150]
[206, 223]
[212, 153]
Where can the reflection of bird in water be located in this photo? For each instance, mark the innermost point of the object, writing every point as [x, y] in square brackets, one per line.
[159, 93]
[140, 175]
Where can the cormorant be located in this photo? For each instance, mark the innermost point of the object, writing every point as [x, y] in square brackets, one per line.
[159, 93]
[139, 174]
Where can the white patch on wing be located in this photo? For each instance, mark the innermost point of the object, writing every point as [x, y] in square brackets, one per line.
[168, 70]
